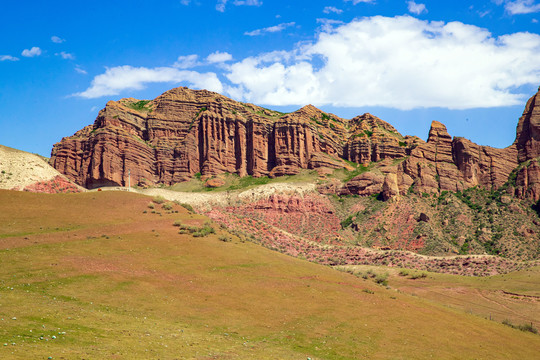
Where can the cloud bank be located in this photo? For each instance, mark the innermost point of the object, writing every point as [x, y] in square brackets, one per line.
[400, 62]
[517, 7]
[121, 78]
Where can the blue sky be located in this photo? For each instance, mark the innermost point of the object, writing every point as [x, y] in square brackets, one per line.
[471, 67]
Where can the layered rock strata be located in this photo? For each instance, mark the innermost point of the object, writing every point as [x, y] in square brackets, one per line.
[184, 132]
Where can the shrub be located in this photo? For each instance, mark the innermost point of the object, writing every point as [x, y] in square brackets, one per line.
[347, 222]
[382, 279]
[158, 199]
[524, 327]
[224, 238]
[151, 205]
[187, 207]
[167, 206]
[403, 273]
[418, 276]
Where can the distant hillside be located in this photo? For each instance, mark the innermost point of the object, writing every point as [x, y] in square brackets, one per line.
[20, 170]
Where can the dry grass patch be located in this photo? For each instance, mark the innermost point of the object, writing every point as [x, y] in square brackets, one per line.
[144, 291]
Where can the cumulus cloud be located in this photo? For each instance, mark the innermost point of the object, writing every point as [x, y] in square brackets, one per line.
[218, 57]
[271, 29]
[57, 40]
[415, 8]
[521, 7]
[8, 58]
[66, 56]
[332, 9]
[121, 78]
[399, 62]
[34, 51]
[187, 61]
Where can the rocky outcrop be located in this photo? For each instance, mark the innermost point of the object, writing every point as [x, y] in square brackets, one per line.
[184, 132]
[527, 142]
[372, 140]
[455, 164]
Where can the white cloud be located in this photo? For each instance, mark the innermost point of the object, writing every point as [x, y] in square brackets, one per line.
[332, 9]
[34, 51]
[8, 58]
[187, 61]
[80, 70]
[218, 57]
[521, 7]
[185, 2]
[121, 78]
[415, 8]
[360, 1]
[271, 29]
[57, 40]
[248, 2]
[66, 56]
[399, 62]
[220, 5]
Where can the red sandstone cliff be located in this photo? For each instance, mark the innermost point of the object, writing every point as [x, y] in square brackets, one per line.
[184, 132]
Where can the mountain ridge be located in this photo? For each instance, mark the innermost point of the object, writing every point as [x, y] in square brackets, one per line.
[184, 132]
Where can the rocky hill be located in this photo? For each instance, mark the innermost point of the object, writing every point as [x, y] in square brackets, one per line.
[186, 132]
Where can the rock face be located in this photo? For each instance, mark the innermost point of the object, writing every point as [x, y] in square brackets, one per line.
[184, 132]
[528, 146]
[455, 164]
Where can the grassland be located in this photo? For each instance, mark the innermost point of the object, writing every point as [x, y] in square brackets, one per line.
[100, 276]
[514, 297]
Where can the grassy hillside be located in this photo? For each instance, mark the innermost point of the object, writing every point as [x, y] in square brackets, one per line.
[102, 275]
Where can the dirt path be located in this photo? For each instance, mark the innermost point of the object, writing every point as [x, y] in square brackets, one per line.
[207, 200]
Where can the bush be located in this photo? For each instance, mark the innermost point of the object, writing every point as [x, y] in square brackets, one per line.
[195, 231]
[382, 279]
[347, 222]
[418, 276]
[403, 273]
[185, 206]
[151, 205]
[205, 230]
[158, 199]
[167, 206]
[524, 327]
